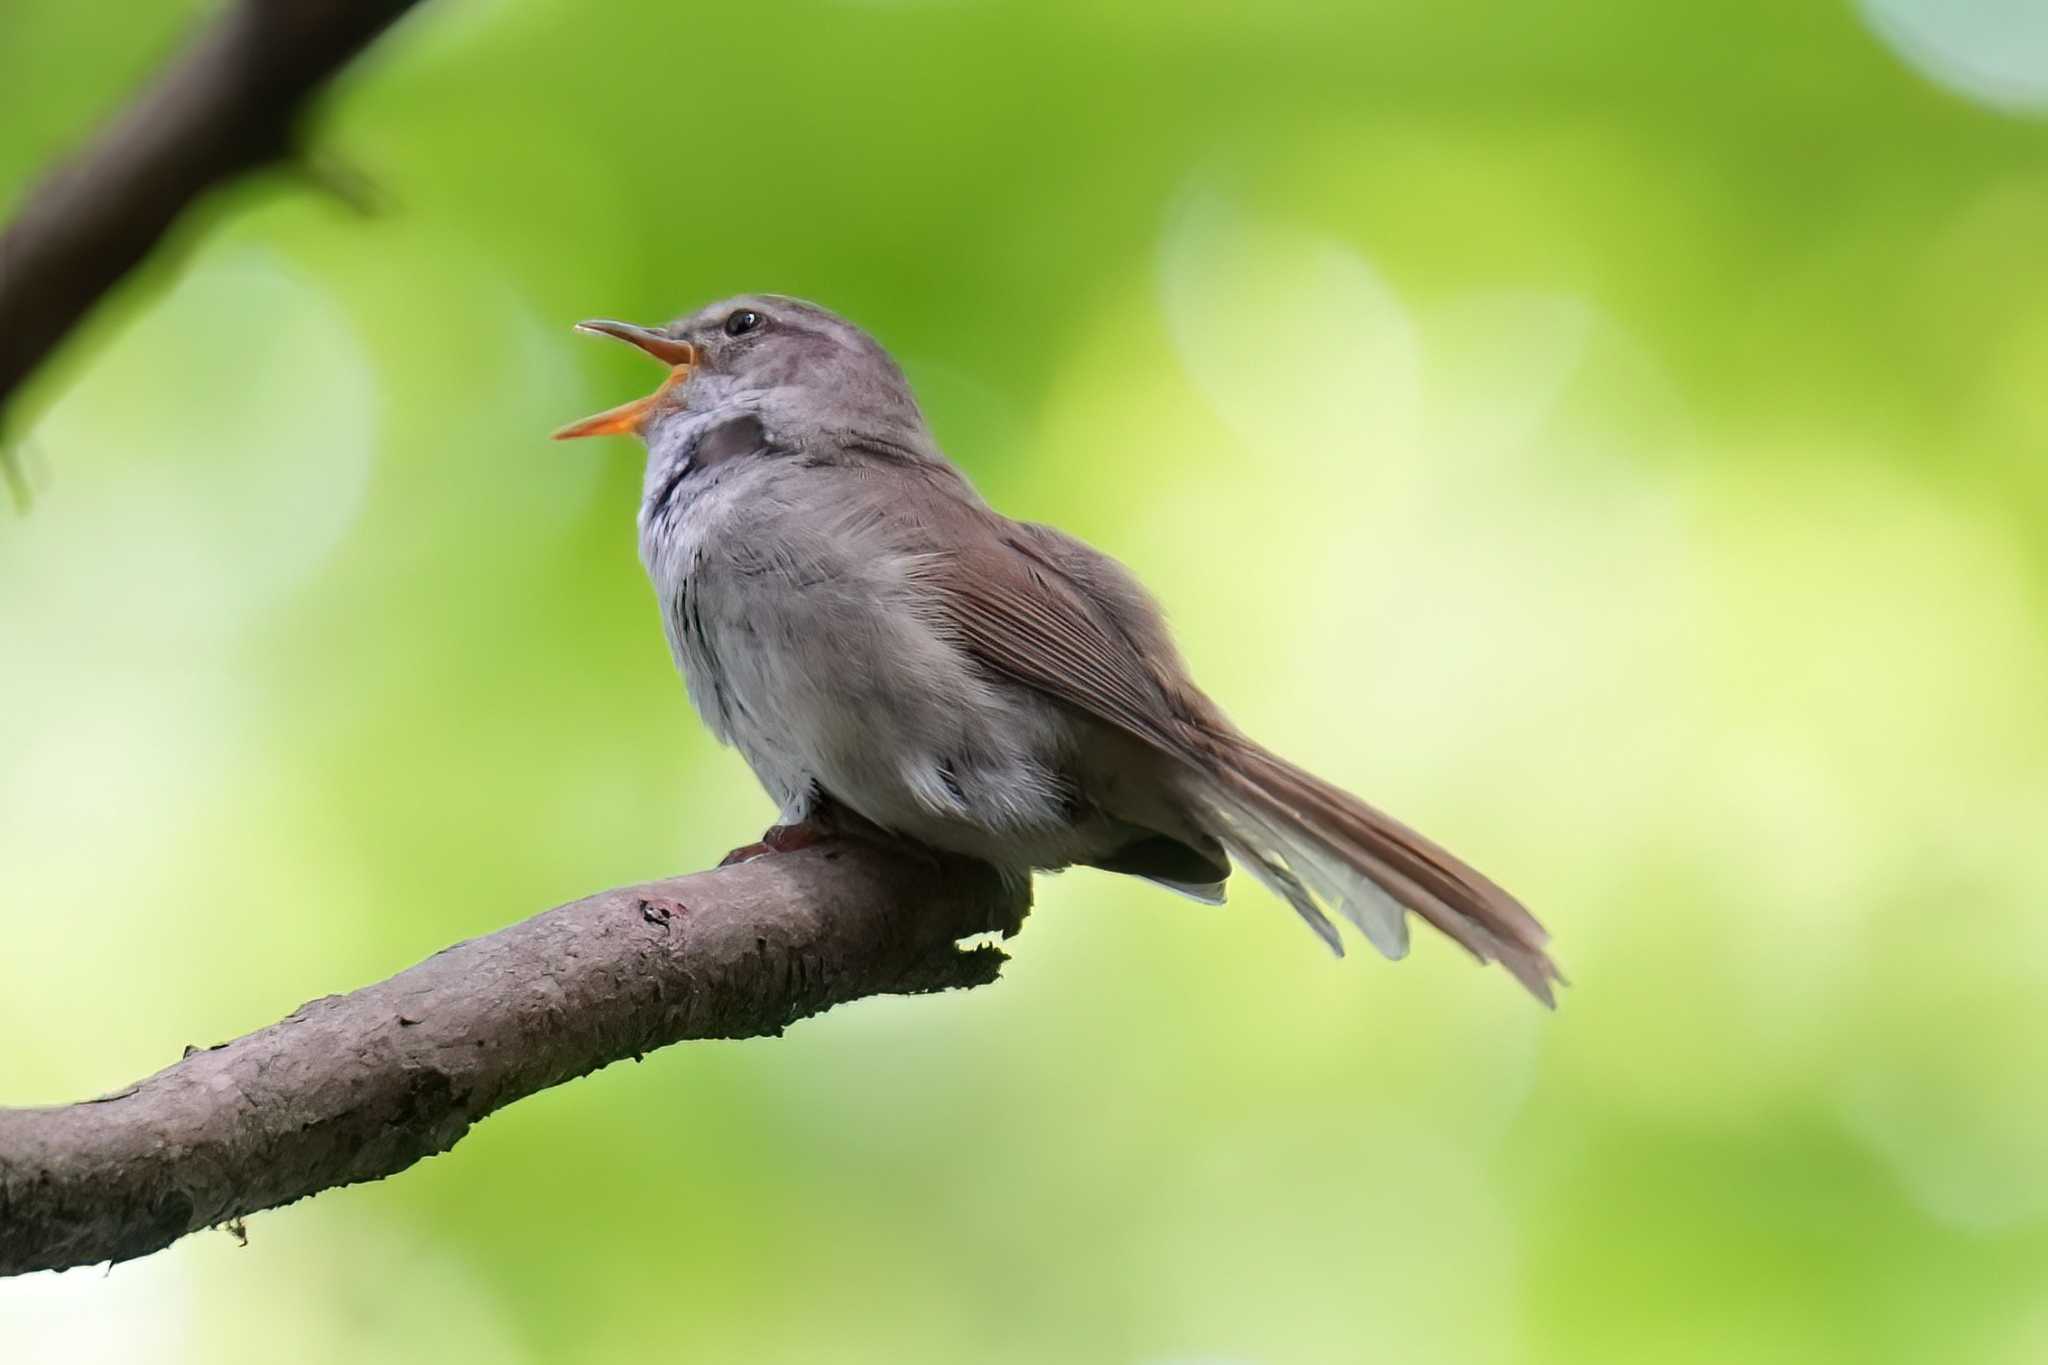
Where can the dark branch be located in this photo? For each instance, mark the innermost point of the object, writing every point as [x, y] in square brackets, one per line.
[357, 1087]
[228, 105]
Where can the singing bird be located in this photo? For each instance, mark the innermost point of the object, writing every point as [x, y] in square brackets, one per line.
[872, 636]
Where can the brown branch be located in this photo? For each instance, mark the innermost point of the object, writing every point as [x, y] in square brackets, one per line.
[357, 1087]
[228, 105]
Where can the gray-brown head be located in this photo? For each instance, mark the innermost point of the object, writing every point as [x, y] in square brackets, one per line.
[808, 376]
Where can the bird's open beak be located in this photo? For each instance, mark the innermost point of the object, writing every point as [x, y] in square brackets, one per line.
[628, 418]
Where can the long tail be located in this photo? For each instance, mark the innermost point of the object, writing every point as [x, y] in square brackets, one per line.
[1320, 847]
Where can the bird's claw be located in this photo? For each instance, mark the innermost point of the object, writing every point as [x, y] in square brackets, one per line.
[778, 839]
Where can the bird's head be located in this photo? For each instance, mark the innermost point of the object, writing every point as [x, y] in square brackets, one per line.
[806, 374]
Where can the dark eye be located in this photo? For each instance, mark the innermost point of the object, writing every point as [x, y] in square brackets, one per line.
[742, 322]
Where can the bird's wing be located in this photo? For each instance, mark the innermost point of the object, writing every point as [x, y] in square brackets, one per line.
[1044, 609]
[1047, 611]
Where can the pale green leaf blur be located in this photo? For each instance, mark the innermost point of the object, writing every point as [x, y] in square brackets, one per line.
[1613, 436]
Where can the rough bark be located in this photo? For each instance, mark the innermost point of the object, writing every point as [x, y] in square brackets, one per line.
[229, 104]
[357, 1087]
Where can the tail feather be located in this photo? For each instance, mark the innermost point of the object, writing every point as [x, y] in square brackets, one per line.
[1272, 872]
[1318, 846]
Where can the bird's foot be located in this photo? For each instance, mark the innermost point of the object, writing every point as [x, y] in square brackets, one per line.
[779, 839]
[829, 822]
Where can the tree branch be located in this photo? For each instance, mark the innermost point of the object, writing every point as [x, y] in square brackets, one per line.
[227, 106]
[357, 1087]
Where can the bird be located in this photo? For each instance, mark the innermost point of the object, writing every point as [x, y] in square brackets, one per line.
[876, 639]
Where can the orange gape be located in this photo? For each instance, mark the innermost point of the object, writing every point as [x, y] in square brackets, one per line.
[627, 418]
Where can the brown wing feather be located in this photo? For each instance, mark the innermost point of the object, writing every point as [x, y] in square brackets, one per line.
[1003, 590]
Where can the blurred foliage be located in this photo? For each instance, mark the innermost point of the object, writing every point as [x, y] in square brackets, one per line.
[1611, 436]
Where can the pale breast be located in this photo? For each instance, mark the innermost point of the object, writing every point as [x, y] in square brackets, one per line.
[809, 644]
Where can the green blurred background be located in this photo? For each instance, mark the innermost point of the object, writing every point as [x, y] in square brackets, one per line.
[1612, 436]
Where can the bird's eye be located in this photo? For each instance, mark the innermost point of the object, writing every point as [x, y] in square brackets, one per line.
[742, 322]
